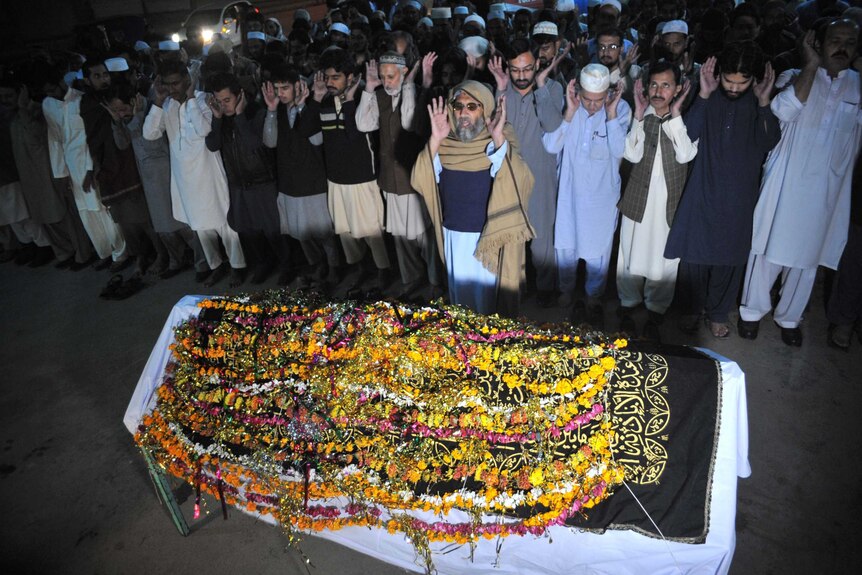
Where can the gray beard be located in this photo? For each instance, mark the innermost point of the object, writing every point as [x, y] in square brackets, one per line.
[467, 133]
[392, 92]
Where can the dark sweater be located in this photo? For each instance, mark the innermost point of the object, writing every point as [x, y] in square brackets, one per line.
[240, 139]
[301, 170]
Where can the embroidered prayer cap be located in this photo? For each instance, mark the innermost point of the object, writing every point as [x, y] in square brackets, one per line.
[141, 46]
[425, 21]
[678, 26]
[565, 6]
[595, 78]
[117, 65]
[339, 27]
[545, 29]
[612, 3]
[475, 46]
[461, 10]
[302, 14]
[444, 13]
[256, 36]
[476, 19]
[393, 58]
[169, 46]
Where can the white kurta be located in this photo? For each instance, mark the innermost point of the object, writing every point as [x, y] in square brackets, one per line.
[77, 152]
[199, 191]
[589, 175]
[802, 216]
[52, 109]
[642, 243]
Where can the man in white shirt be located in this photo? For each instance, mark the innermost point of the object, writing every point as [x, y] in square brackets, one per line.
[199, 192]
[802, 215]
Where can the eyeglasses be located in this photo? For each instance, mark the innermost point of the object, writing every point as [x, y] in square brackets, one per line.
[471, 106]
[606, 47]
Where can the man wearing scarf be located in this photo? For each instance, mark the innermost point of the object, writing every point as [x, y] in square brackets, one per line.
[477, 188]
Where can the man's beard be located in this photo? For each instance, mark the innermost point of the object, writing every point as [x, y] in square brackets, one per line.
[609, 62]
[469, 132]
[522, 84]
[735, 95]
[393, 91]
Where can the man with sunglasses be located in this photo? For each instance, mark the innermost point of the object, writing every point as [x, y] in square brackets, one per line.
[477, 188]
[534, 107]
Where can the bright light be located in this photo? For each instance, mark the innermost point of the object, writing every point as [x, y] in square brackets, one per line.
[175, 37]
[207, 35]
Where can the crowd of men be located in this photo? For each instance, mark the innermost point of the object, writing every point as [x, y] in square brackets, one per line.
[706, 150]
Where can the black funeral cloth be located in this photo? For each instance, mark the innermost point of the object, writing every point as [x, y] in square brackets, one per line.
[664, 402]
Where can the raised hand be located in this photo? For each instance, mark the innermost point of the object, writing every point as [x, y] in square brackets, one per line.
[351, 90]
[439, 123]
[498, 121]
[214, 106]
[763, 89]
[372, 76]
[139, 105]
[190, 91]
[428, 69]
[613, 101]
[708, 79]
[161, 92]
[676, 105]
[319, 86]
[641, 100]
[542, 77]
[301, 90]
[411, 75]
[241, 103]
[573, 101]
[495, 66]
[110, 111]
[630, 58]
[270, 97]
[810, 57]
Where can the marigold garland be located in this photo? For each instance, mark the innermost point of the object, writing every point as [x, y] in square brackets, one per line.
[326, 415]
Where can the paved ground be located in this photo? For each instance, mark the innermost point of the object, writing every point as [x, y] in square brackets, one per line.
[76, 497]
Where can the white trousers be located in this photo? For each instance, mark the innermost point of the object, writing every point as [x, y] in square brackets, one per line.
[596, 272]
[230, 239]
[470, 284]
[657, 295]
[796, 286]
[105, 234]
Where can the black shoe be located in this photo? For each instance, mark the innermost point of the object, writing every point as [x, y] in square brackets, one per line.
[546, 298]
[202, 276]
[596, 316]
[169, 273]
[689, 323]
[791, 336]
[747, 329]
[840, 335]
[285, 277]
[579, 312]
[216, 275]
[43, 256]
[120, 266]
[64, 264]
[652, 331]
[627, 322]
[78, 266]
[262, 273]
[25, 254]
[102, 264]
[237, 276]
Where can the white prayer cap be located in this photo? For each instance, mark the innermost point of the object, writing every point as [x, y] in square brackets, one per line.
[595, 78]
[414, 3]
[475, 46]
[461, 10]
[340, 27]
[256, 36]
[116, 65]
[545, 29]
[565, 6]
[498, 7]
[302, 14]
[496, 15]
[475, 18]
[613, 3]
[169, 46]
[444, 13]
[678, 26]
[141, 46]
[593, 3]
[426, 21]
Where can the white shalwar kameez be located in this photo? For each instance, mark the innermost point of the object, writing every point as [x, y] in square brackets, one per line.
[803, 214]
[643, 273]
[199, 191]
[589, 190]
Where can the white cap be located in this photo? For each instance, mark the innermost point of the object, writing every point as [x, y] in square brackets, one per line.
[498, 7]
[302, 14]
[414, 3]
[340, 27]
[141, 46]
[546, 29]
[444, 13]
[426, 21]
[169, 46]
[475, 18]
[256, 36]
[475, 46]
[496, 15]
[461, 10]
[678, 26]
[595, 78]
[116, 65]
[615, 3]
[565, 6]
[593, 3]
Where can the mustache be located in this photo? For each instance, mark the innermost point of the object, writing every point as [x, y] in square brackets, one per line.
[841, 53]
